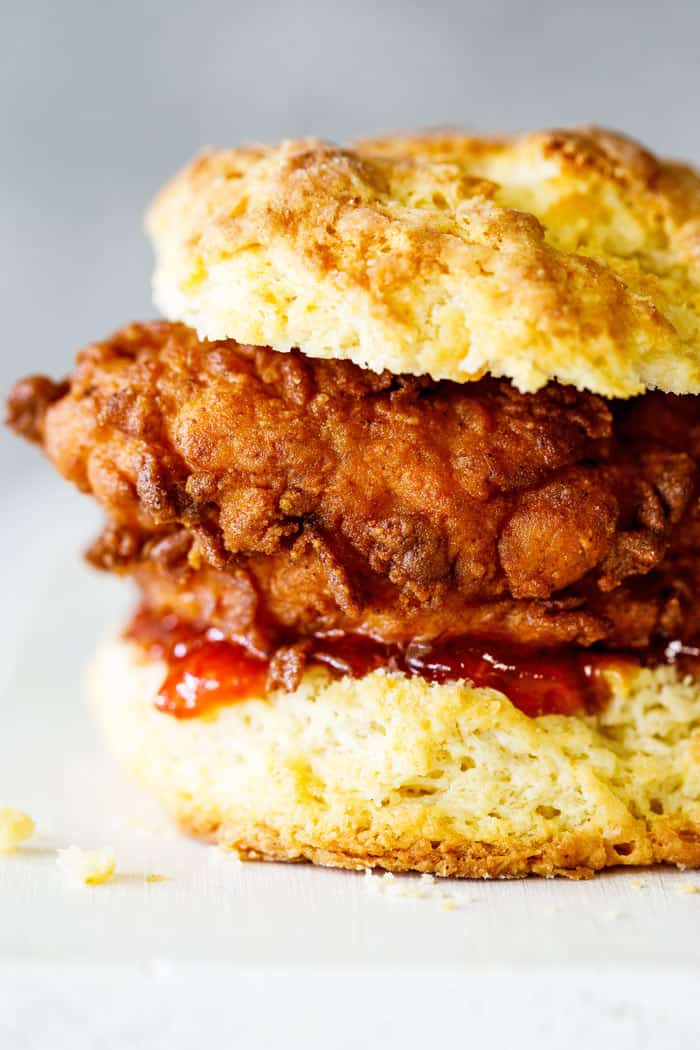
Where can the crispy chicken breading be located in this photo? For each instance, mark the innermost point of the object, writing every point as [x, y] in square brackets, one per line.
[272, 495]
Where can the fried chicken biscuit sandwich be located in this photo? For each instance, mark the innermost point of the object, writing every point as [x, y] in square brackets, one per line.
[408, 485]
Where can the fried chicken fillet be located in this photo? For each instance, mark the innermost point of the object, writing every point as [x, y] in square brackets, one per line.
[275, 496]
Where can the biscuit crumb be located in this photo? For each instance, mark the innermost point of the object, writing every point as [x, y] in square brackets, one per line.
[221, 853]
[638, 884]
[15, 827]
[154, 877]
[687, 888]
[409, 888]
[86, 867]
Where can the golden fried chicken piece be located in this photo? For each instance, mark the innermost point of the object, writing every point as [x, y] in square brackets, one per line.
[272, 494]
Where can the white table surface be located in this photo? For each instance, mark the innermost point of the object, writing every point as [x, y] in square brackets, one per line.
[223, 954]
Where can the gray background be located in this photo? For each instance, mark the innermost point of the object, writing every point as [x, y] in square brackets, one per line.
[101, 101]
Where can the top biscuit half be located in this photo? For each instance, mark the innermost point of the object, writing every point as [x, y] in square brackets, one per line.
[562, 255]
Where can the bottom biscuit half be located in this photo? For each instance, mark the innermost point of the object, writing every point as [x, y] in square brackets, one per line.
[393, 772]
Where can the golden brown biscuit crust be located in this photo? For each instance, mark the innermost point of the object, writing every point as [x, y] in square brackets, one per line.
[574, 855]
[571, 255]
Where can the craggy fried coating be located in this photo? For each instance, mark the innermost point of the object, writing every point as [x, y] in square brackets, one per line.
[273, 494]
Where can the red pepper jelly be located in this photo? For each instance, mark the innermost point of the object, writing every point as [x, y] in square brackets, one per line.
[537, 681]
[205, 670]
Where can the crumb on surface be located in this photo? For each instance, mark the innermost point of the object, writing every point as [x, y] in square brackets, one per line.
[155, 877]
[688, 888]
[15, 827]
[220, 852]
[409, 888]
[638, 884]
[86, 867]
